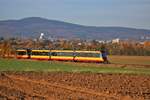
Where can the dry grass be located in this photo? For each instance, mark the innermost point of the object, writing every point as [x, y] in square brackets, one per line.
[142, 60]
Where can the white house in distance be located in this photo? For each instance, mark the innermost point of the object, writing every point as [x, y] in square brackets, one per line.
[41, 36]
[117, 40]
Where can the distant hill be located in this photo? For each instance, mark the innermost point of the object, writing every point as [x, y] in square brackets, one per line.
[32, 27]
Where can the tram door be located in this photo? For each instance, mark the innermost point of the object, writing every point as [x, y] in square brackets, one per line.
[29, 51]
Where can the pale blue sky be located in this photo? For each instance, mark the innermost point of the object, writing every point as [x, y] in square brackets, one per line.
[127, 13]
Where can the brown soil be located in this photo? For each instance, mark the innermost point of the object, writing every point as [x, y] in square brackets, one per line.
[73, 86]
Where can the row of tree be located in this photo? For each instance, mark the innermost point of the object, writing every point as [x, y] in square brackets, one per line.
[8, 47]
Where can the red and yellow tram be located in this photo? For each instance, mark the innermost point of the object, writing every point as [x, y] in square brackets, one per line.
[60, 55]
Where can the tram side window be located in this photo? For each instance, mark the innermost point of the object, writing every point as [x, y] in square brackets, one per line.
[88, 54]
[100, 55]
[62, 54]
[54, 54]
[45, 53]
[21, 53]
[40, 53]
[65, 54]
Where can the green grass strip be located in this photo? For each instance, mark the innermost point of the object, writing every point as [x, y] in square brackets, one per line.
[46, 66]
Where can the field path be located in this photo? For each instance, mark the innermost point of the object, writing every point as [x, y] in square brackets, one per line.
[72, 86]
[59, 87]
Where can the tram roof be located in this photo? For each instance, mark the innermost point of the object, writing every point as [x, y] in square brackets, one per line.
[78, 51]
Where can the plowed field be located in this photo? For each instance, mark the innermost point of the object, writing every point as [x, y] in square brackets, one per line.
[73, 86]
